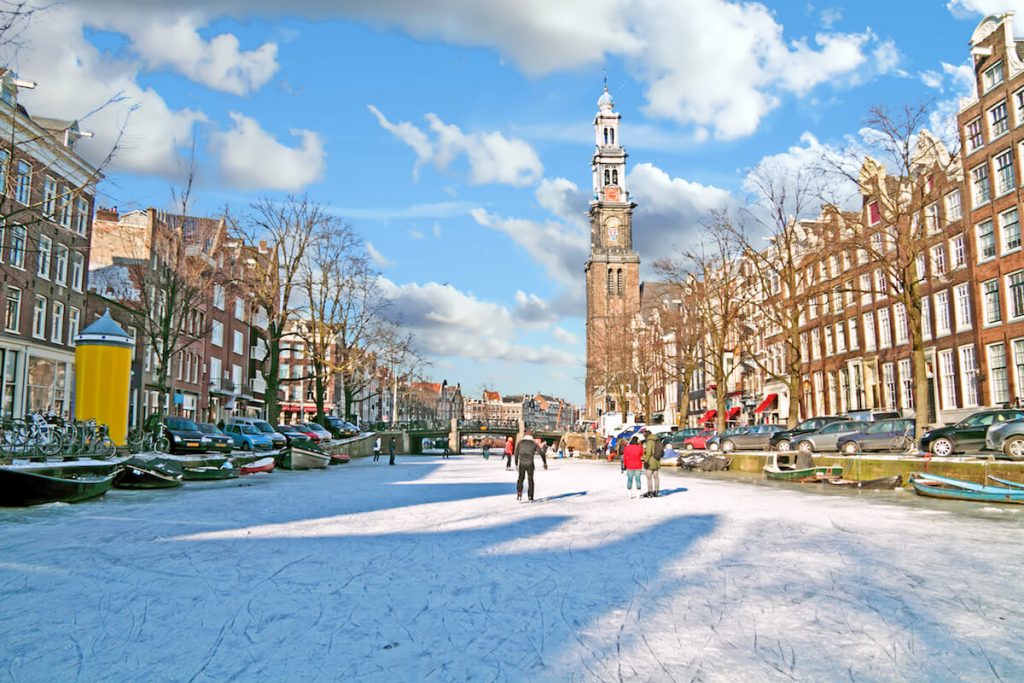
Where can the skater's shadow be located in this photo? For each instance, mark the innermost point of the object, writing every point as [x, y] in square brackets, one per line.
[562, 495]
[669, 492]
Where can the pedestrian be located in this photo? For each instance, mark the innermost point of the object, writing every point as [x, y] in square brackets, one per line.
[376, 450]
[570, 451]
[632, 464]
[487, 450]
[391, 450]
[509, 449]
[654, 450]
[526, 449]
[445, 453]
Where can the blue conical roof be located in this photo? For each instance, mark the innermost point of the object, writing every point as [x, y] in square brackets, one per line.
[104, 330]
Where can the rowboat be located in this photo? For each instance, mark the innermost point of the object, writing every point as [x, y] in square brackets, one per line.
[799, 470]
[893, 482]
[150, 475]
[295, 458]
[340, 458]
[1007, 482]
[225, 471]
[19, 487]
[934, 486]
[266, 464]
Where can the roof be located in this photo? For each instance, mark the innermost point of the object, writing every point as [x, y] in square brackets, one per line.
[432, 387]
[492, 395]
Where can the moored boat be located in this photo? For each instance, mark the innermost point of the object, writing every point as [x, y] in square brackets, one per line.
[893, 482]
[802, 469]
[225, 471]
[1007, 482]
[21, 487]
[294, 458]
[266, 464]
[150, 475]
[934, 486]
[340, 458]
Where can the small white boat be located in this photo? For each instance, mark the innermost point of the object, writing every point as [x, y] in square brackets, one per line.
[301, 459]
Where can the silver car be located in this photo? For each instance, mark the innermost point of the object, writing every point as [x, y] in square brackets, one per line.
[827, 438]
[1007, 437]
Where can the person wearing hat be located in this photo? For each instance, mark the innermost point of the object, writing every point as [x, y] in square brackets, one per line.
[653, 452]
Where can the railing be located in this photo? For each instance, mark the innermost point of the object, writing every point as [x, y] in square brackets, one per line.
[258, 385]
[223, 385]
[258, 351]
[487, 425]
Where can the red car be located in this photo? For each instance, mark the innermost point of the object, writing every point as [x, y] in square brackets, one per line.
[315, 437]
[698, 441]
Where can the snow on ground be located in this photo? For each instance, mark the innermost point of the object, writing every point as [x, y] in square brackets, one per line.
[432, 571]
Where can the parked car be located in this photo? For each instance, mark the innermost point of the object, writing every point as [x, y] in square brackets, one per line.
[310, 434]
[698, 441]
[715, 442]
[872, 415]
[215, 439]
[827, 438]
[263, 427]
[339, 428]
[783, 441]
[753, 437]
[1006, 437]
[184, 435]
[677, 437]
[248, 438]
[875, 436]
[625, 433]
[966, 435]
[322, 434]
[294, 437]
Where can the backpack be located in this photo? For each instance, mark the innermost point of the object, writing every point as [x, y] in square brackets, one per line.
[659, 450]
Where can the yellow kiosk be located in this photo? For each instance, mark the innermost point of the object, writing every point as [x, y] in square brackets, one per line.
[103, 370]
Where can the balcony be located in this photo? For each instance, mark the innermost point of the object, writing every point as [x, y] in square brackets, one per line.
[222, 386]
[258, 352]
[258, 385]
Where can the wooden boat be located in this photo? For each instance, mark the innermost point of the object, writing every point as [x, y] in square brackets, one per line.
[20, 487]
[798, 470]
[934, 486]
[1007, 482]
[153, 475]
[266, 464]
[893, 482]
[295, 458]
[210, 473]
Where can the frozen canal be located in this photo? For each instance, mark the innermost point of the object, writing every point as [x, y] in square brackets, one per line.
[432, 571]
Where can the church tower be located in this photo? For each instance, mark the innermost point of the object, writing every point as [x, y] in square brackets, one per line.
[613, 269]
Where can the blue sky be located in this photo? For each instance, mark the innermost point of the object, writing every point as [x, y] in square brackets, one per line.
[456, 135]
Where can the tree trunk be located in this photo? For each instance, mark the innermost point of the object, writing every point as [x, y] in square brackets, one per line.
[273, 375]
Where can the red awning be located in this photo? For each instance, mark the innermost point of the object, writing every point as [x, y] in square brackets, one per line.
[708, 416]
[296, 408]
[733, 412]
[766, 403]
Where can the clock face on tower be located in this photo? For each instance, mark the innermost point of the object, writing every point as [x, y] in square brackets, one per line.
[612, 229]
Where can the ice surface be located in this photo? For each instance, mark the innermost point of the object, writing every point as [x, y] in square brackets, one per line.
[432, 571]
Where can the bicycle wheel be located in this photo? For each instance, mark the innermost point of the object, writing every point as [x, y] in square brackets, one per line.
[898, 444]
[136, 440]
[50, 443]
[107, 449]
[162, 445]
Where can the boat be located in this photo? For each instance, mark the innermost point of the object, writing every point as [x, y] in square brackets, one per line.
[340, 458]
[295, 458]
[802, 469]
[934, 486]
[21, 487]
[893, 482]
[225, 471]
[266, 464]
[147, 475]
[1007, 482]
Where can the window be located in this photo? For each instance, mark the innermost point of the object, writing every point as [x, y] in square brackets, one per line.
[874, 214]
[39, 318]
[1015, 285]
[49, 197]
[819, 394]
[926, 317]
[815, 344]
[81, 215]
[237, 342]
[812, 308]
[18, 237]
[57, 324]
[844, 389]
[217, 333]
[869, 332]
[829, 347]
[1004, 173]
[993, 76]
[837, 299]
[803, 345]
[947, 378]
[286, 372]
[824, 304]
[840, 337]
[880, 289]
[998, 121]
[77, 271]
[959, 252]
[236, 376]
[862, 257]
[1018, 364]
[848, 286]
[218, 297]
[865, 288]
[4, 156]
[906, 384]
[239, 309]
[942, 324]
[999, 386]
[889, 380]
[939, 259]
[12, 314]
[972, 131]
[23, 184]
[986, 241]
[969, 376]
[954, 210]
[962, 304]
[64, 201]
[43, 257]
[1018, 106]
[1009, 223]
[981, 187]
[60, 265]
[990, 300]
[216, 371]
[899, 312]
[851, 325]
[833, 403]
[931, 218]
[74, 317]
[884, 329]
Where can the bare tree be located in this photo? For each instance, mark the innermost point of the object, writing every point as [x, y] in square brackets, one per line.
[684, 334]
[612, 359]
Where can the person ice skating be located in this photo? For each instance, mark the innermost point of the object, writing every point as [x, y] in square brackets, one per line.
[632, 464]
[391, 450]
[526, 449]
[509, 449]
[445, 453]
[486, 450]
[376, 450]
[653, 452]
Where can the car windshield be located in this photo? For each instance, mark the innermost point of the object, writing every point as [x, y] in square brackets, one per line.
[208, 428]
[248, 429]
[182, 424]
[880, 426]
[263, 426]
[978, 420]
[810, 424]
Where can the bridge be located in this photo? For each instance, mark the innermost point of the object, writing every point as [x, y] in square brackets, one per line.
[419, 430]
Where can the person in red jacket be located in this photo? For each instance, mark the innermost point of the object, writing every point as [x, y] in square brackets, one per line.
[510, 448]
[633, 463]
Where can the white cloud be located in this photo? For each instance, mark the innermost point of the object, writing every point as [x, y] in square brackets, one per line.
[530, 308]
[492, 157]
[559, 248]
[380, 259]
[565, 337]
[830, 16]
[250, 158]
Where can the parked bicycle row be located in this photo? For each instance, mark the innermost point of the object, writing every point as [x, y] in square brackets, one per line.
[42, 435]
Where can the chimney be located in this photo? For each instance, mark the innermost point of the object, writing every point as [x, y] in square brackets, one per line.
[107, 214]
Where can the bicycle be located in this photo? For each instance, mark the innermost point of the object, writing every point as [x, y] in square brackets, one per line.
[145, 441]
[904, 443]
[92, 439]
[41, 436]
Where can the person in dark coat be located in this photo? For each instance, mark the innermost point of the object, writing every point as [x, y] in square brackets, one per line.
[526, 449]
[391, 450]
[445, 454]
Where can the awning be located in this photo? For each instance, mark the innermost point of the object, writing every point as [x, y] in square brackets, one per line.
[296, 408]
[708, 416]
[767, 403]
[733, 412]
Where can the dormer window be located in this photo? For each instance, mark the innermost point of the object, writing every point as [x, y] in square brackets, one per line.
[993, 76]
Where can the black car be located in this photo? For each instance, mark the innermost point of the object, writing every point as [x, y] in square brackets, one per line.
[782, 441]
[339, 428]
[184, 435]
[216, 440]
[966, 435]
[295, 437]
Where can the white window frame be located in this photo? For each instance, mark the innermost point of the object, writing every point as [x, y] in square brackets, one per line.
[957, 252]
[851, 326]
[969, 376]
[39, 307]
[995, 373]
[990, 75]
[884, 328]
[998, 127]
[974, 135]
[16, 257]
[1005, 244]
[57, 323]
[237, 342]
[947, 378]
[954, 206]
[816, 343]
[870, 341]
[889, 388]
[906, 380]
[926, 318]
[16, 327]
[217, 333]
[981, 185]
[943, 320]
[982, 257]
[75, 320]
[77, 271]
[986, 298]
[60, 264]
[218, 296]
[1015, 296]
[43, 257]
[49, 208]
